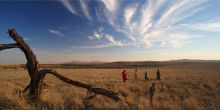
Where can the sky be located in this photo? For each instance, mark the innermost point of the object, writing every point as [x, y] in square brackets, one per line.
[112, 30]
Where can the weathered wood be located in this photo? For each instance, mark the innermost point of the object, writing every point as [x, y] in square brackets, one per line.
[99, 91]
[26, 88]
[32, 63]
[37, 77]
[8, 46]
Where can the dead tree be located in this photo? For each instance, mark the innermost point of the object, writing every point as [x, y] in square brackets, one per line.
[37, 76]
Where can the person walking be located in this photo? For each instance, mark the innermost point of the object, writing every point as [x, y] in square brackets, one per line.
[124, 75]
[135, 75]
[151, 93]
[146, 76]
[158, 74]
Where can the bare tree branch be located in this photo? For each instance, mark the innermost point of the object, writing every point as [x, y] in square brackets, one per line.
[100, 91]
[8, 46]
[26, 88]
[37, 77]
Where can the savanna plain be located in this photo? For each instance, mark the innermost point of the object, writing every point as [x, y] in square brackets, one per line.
[182, 87]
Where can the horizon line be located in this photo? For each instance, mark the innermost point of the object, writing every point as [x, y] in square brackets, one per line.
[98, 61]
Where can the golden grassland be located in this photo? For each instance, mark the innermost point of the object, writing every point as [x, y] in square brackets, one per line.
[186, 87]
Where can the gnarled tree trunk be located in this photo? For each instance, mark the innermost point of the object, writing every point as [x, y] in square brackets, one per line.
[37, 77]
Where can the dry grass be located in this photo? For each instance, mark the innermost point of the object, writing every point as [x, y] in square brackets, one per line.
[181, 88]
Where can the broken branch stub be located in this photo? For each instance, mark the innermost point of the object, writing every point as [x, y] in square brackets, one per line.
[37, 77]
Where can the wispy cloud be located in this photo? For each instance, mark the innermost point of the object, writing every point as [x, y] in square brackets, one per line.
[107, 39]
[85, 8]
[67, 5]
[97, 35]
[180, 10]
[56, 32]
[149, 32]
[113, 41]
[210, 27]
[129, 13]
[110, 10]
[111, 5]
[149, 23]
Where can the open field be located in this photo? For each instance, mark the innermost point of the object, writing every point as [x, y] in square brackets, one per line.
[183, 87]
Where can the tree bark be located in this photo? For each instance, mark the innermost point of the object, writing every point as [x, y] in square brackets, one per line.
[37, 77]
[32, 63]
[100, 91]
[8, 46]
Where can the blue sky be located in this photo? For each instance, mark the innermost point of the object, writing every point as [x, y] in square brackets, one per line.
[112, 30]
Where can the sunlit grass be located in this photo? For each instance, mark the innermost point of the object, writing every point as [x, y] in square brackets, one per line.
[181, 88]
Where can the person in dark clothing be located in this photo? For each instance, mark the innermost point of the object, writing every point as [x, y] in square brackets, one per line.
[158, 74]
[151, 93]
[135, 75]
[145, 76]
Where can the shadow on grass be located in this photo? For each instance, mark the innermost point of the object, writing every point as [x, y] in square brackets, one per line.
[8, 104]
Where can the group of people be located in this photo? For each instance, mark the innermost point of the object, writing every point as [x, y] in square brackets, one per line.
[146, 78]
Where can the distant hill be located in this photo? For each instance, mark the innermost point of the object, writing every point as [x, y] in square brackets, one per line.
[84, 62]
[123, 64]
[134, 64]
[190, 60]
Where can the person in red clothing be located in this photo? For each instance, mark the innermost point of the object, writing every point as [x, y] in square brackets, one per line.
[124, 75]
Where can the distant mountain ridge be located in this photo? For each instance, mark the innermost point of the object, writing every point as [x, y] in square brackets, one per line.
[133, 64]
[100, 62]
[194, 60]
[121, 64]
[84, 62]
